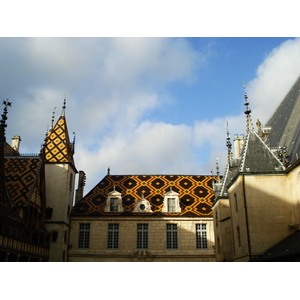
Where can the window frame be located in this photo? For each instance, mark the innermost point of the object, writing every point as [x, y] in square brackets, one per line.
[113, 236]
[172, 236]
[201, 236]
[84, 236]
[142, 236]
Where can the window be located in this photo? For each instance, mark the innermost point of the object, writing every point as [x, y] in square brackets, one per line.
[172, 236]
[54, 235]
[236, 203]
[114, 204]
[201, 236]
[142, 236]
[84, 236]
[142, 206]
[171, 205]
[49, 211]
[113, 236]
[238, 236]
[171, 202]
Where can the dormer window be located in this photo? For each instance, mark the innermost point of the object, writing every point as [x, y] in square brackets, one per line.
[171, 202]
[114, 202]
[142, 206]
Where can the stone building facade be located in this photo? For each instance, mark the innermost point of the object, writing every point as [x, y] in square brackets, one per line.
[256, 208]
[144, 218]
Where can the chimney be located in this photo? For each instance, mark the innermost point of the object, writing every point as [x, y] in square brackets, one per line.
[15, 142]
[81, 184]
[238, 144]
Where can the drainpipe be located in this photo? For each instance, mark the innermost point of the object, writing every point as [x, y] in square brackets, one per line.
[246, 216]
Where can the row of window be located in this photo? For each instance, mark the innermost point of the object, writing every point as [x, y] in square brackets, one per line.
[114, 203]
[142, 236]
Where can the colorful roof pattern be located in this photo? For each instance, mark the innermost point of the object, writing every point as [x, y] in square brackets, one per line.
[21, 176]
[58, 148]
[195, 195]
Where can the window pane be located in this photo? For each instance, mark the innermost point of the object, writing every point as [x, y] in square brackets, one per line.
[113, 236]
[201, 236]
[142, 236]
[114, 204]
[84, 236]
[171, 204]
[172, 236]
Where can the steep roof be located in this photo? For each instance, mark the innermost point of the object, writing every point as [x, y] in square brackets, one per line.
[257, 157]
[21, 178]
[58, 148]
[285, 123]
[285, 250]
[195, 194]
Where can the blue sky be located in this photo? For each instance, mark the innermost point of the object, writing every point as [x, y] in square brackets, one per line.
[144, 105]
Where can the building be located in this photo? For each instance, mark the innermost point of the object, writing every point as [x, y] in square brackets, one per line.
[256, 208]
[36, 195]
[144, 218]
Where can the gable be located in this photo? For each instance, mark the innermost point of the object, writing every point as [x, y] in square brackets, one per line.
[195, 194]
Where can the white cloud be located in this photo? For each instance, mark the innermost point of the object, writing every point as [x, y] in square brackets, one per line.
[112, 86]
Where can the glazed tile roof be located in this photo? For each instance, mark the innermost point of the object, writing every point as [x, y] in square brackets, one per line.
[21, 176]
[195, 194]
[58, 148]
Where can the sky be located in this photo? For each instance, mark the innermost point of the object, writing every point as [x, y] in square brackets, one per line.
[144, 105]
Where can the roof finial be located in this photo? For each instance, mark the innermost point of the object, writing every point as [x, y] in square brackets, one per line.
[247, 111]
[52, 119]
[108, 171]
[64, 106]
[228, 143]
[218, 172]
[73, 145]
[6, 103]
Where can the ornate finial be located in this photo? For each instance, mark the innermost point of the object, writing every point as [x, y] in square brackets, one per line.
[64, 106]
[52, 119]
[228, 142]
[3, 124]
[108, 171]
[6, 103]
[247, 111]
[217, 168]
[283, 155]
[73, 145]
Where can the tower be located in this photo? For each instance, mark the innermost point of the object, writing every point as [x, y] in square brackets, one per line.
[60, 172]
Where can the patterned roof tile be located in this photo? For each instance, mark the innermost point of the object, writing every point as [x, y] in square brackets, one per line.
[195, 194]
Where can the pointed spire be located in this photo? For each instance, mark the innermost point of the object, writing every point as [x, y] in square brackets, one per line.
[64, 105]
[52, 119]
[3, 124]
[228, 143]
[218, 172]
[249, 126]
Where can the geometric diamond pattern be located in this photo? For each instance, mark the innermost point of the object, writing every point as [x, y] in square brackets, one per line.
[58, 147]
[21, 176]
[195, 194]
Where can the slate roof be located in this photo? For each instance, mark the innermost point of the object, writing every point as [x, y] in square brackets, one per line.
[21, 177]
[285, 123]
[284, 250]
[195, 195]
[257, 157]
